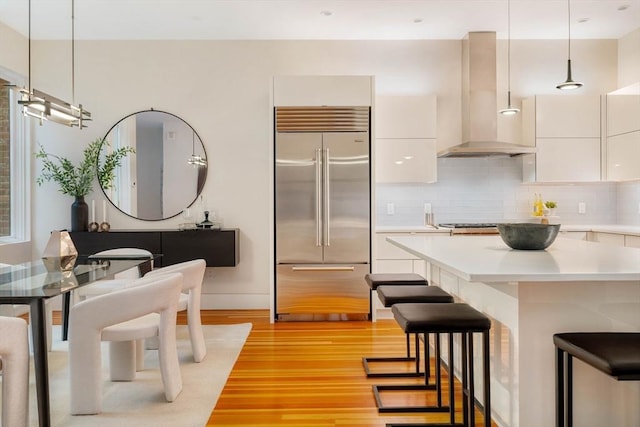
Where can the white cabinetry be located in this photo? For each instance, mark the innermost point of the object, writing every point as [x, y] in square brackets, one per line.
[627, 240]
[576, 235]
[566, 132]
[405, 132]
[623, 137]
[314, 91]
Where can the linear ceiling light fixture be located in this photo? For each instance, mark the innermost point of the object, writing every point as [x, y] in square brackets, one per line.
[38, 104]
[196, 160]
[509, 111]
[569, 83]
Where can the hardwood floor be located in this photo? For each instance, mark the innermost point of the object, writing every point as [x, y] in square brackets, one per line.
[310, 374]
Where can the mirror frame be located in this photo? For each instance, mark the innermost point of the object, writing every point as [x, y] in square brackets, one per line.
[202, 171]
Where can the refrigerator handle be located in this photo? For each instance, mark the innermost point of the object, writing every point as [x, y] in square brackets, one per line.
[327, 198]
[318, 197]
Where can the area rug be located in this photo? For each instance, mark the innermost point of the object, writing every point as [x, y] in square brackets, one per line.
[141, 402]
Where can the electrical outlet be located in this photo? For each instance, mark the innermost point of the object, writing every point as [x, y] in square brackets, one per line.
[427, 208]
[582, 207]
[391, 209]
[639, 207]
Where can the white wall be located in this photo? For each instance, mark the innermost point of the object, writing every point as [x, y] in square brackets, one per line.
[222, 88]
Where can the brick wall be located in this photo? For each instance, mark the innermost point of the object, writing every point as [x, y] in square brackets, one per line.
[5, 164]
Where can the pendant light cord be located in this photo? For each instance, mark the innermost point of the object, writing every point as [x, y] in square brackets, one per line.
[29, 46]
[509, 48]
[73, 54]
[569, 27]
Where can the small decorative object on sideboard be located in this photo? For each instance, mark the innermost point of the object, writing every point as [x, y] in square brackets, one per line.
[93, 225]
[528, 236]
[206, 223]
[77, 181]
[104, 225]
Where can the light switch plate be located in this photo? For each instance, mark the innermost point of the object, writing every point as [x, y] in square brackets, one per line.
[390, 209]
[582, 207]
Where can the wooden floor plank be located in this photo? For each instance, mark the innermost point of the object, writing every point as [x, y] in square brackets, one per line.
[310, 374]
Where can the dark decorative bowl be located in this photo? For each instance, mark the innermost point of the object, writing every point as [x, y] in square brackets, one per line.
[528, 236]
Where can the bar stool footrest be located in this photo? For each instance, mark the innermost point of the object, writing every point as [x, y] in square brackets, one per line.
[406, 387]
[370, 374]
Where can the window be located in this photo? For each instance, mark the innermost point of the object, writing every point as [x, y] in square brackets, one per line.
[5, 160]
[14, 166]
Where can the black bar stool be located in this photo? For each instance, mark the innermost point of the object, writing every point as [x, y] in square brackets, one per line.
[617, 354]
[394, 279]
[449, 318]
[399, 294]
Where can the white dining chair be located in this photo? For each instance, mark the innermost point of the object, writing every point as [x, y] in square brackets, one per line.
[193, 275]
[146, 308]
[14, 364]
[119, 280]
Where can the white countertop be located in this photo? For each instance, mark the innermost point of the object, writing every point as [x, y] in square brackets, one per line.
[411, 229]
[602, 228]
[489, 259]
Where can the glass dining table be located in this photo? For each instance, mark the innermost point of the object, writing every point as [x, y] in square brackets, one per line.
[35, 282]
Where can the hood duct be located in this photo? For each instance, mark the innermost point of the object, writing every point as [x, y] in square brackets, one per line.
[479, 102]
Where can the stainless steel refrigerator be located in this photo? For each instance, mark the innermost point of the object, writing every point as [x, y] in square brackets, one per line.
[322, 213]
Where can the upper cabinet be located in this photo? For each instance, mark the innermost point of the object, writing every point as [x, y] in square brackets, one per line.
[566, 132]
[623, 137]
[317, 91]
[405, 132]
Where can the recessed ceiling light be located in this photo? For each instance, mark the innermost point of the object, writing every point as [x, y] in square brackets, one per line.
[326, 13]
[623, 7]
[417, 20]
[408, 157]
[583, 20]
[398, 162]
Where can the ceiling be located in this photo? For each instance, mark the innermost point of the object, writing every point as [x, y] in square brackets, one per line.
[319, 19]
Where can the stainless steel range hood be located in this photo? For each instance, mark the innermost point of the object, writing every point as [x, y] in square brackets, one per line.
[479, 102]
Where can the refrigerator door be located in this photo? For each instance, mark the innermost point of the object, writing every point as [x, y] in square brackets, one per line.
[346, 209]
[322, 289]
[298, 193]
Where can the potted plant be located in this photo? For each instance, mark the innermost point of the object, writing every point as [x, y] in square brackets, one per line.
[551, 207]
[77, 181]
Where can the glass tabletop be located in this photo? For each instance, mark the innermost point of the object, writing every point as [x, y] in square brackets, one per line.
[37, 280]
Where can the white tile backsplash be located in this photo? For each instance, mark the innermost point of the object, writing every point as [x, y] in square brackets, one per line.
[491, 190]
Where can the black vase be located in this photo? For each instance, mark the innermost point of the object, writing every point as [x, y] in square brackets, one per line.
[79, 215]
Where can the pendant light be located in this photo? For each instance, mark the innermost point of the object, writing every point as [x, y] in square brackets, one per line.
[509, 111]
[38, 104]
[569, 83]
[196, 160]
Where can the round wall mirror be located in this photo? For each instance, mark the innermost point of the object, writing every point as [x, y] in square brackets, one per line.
[167, 172]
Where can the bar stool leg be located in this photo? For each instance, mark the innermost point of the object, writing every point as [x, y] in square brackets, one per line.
[559, 387]
[452, 399]
[471, 396]
[569, 386]
[487, 378]
[465, 380]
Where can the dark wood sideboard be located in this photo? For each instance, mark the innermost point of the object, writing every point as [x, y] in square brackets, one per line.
[219, 248]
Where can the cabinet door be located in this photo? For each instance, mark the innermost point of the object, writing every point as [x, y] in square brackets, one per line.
[568, 116]
[623, 114]
[608, 238]
[568, 159]
[623, 156]
[576, 235]
[405, 116]
[385, 250]
[406, 160]
[393, 266]
[632, 241]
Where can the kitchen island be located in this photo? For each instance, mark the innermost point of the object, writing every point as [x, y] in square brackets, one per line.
[530, 295]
